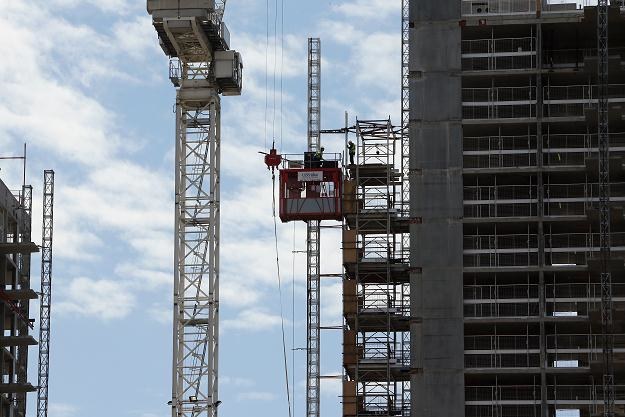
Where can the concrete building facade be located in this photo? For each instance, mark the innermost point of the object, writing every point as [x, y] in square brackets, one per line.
[504, 271]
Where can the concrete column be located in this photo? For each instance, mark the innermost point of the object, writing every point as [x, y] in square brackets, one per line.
[437, 340]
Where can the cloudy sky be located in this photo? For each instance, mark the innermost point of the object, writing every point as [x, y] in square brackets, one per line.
[85, 84]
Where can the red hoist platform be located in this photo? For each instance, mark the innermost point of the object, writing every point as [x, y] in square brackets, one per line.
[311, 190]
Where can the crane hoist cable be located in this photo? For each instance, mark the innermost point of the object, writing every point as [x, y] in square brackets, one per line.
[275, 234]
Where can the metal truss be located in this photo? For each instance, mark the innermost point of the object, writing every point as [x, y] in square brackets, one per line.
[23, 260]
[46, 292]
[405, 102]
[607, 326]
[196, 274]
[313, 231]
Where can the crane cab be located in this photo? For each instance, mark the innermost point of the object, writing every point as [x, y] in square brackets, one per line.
[311, 192]
[228, 72]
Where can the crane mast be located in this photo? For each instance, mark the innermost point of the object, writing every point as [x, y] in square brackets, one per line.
[46, 292]
[312, 238]
[202, 68]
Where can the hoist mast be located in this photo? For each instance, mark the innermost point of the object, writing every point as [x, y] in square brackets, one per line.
[202, 68]
[312, 238]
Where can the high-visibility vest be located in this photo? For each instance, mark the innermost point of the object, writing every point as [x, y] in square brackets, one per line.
[352, 148]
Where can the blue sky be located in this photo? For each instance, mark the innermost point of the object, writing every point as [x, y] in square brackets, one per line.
[85, 84]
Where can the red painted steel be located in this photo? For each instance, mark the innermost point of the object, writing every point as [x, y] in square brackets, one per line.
[311, 194]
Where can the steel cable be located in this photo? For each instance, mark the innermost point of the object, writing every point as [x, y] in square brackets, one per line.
[275, 234]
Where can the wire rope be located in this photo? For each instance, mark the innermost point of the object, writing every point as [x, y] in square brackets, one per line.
[266, 72]
[275, 234]
[293, 320]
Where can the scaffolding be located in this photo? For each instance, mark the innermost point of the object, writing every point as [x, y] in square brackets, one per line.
[376, 289]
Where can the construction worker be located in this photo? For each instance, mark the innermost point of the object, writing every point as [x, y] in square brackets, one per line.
[319, 157]
[351, 147]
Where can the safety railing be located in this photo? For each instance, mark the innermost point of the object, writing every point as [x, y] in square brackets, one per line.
[498, 102]
[559, 393]
[582, 342]
[498, 54]
[493, 7]
[501, 342]
[502, 360]
[499, 309]
[380, 347]
[384, 299]
[521, 151]
[500, 292]
[521, 250]
[506, 410]
[487, 8]
[521, 200]
[499, 143]
[475, 243]
[575, 58]
[573, 100]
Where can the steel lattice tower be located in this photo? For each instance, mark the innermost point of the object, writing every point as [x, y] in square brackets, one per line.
[312, 237]
[46, 292]
[604, 209]
[405, 105]
[203, 67]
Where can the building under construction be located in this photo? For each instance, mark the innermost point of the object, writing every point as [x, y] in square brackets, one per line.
[517, 134]
[15, 295]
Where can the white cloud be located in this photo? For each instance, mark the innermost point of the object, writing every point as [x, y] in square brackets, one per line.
[103, 299]
[236, 381]
[368, 9]
[252, 320]
[109, 6]
[256, 396]
[62, 410]
[161, 314]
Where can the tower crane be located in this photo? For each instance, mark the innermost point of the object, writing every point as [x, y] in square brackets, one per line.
[193, 35]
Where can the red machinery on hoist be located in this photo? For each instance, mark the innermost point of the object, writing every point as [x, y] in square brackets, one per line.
[310, 189]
